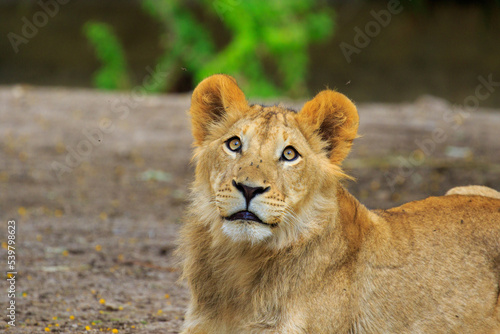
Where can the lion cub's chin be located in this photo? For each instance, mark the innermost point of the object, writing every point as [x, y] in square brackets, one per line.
[241, 231]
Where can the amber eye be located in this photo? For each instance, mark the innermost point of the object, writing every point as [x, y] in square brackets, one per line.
[234, 144]
[289, 154]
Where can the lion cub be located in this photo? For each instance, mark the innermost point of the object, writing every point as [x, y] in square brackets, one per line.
[274, 243]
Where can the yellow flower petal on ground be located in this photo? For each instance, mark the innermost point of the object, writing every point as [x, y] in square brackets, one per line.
[22, 156]
[98, 248]
[102, 301]
[114, 330]
[4, 177]
[60, 147]
[47, 329]
[22, 211]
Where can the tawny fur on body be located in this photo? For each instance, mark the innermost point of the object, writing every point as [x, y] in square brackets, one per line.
[273, 242]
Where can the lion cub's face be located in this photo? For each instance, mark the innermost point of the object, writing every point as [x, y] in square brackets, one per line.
[261, 171]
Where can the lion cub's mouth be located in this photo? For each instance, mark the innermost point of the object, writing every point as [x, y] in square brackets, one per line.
[247, 215]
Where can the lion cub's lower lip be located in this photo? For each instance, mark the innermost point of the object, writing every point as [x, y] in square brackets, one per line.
[245, 215]
[249, 216]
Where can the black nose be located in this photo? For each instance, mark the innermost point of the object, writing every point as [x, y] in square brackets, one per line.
[249, 192]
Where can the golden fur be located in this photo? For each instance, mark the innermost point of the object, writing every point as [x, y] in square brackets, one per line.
[319, 261]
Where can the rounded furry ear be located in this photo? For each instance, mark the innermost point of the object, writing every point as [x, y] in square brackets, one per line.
[215, 99]
[334, 118]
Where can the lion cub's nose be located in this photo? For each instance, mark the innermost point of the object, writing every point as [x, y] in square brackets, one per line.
[249, 192]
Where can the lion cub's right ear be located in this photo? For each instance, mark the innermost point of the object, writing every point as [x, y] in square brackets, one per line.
[217, 98]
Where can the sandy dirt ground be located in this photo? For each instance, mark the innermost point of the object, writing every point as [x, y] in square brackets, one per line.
[97, 183]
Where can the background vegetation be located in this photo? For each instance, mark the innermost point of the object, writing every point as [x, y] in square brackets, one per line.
[265, 36]
[286, 48]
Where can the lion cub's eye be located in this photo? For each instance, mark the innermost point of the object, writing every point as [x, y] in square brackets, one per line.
[289, 154]
[234, 144]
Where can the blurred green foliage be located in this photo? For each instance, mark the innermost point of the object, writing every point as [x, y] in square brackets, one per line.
[187, 43]
[278, 32]
[267, 53]
[113, 73]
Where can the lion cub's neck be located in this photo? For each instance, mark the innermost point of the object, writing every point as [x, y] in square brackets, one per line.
[354, 218]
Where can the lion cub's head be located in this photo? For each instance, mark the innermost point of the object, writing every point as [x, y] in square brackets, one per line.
[267, 175]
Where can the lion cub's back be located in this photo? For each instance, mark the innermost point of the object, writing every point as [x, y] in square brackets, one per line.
[471, 203]
[474, 190]
[454, 218]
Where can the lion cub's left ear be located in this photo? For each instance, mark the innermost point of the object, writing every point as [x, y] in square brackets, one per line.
[217, 98]
[334, 118]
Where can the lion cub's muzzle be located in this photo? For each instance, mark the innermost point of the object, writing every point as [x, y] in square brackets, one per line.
[249, 193]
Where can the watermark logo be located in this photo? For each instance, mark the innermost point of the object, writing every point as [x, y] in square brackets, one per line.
[11, 272]
[453, 118]
[94, 136]
[30, 28]
[372, 29]
[222, 7]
